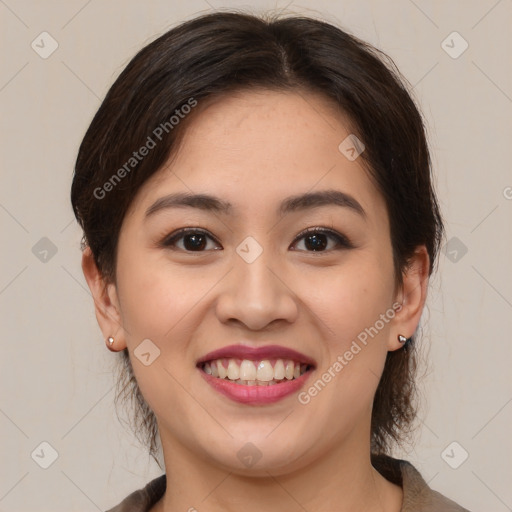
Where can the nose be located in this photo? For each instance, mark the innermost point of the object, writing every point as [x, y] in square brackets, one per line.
[256, 294]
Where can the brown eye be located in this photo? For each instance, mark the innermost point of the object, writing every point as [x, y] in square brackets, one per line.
[194, 240]
[317, 239]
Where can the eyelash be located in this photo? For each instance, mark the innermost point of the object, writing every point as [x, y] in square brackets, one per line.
[342, 241]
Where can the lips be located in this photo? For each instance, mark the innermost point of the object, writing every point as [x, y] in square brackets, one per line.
[256, 392]
[257, 353]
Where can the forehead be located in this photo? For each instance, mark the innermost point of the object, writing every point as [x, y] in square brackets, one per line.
[255, 148]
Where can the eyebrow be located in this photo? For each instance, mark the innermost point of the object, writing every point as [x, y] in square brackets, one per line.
[290, 204]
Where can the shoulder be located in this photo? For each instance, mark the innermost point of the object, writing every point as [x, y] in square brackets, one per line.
[417, 495]
[143, 499]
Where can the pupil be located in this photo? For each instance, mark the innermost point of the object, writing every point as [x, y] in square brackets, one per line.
[198, 241]
[317, 243]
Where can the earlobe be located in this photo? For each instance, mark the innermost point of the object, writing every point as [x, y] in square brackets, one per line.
[412, 296]
[106, 303]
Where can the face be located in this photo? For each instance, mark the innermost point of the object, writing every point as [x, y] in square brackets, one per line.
[250, 276]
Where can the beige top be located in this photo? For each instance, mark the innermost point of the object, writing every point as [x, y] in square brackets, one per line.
[417, 495]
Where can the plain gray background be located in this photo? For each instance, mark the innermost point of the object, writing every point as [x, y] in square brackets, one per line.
[57, 382]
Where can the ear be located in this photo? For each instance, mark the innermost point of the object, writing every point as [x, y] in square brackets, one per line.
[412, 296]
[106, 302]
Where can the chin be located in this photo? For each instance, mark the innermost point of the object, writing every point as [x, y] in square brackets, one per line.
[261, 454]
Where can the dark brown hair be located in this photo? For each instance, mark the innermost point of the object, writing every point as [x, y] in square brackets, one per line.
[215, 54]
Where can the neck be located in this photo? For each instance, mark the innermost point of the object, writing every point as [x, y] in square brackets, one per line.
[343, 480]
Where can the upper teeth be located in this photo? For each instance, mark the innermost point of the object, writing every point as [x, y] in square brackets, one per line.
[247, 370]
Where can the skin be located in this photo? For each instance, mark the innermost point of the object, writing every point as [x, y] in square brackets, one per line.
[254, 149]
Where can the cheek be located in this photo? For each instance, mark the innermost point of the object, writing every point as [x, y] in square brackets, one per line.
[155, 296]
[157, 303]
[350, 297]
[353, 305]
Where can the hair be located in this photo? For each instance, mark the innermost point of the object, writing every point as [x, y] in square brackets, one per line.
[213, 55]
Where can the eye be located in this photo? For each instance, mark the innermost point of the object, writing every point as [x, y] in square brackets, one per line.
[194, 239]
[317, 239]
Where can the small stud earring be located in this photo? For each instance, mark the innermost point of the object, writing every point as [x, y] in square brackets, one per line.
[110, 340]
[402, 339]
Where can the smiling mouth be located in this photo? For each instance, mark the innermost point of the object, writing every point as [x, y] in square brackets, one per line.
[247, 372]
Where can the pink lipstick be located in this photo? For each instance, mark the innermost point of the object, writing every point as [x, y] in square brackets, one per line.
[256, 392]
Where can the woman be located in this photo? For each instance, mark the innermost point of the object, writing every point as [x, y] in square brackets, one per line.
[259, 227]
